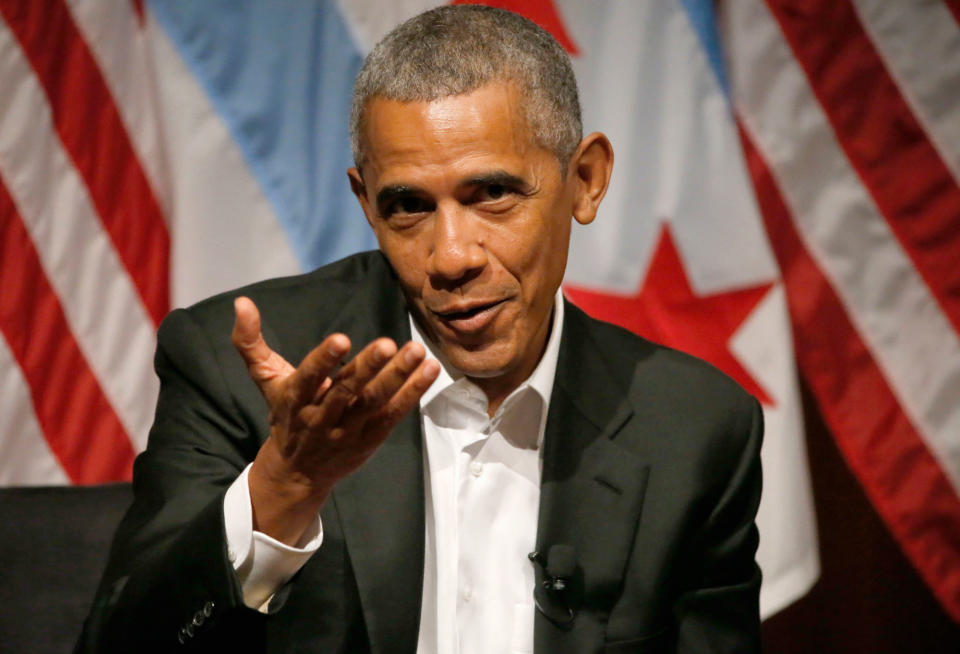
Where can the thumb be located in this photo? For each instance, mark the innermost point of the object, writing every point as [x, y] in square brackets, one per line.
[263, 363]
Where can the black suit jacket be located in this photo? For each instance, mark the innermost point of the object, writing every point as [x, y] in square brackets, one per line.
[651, 473]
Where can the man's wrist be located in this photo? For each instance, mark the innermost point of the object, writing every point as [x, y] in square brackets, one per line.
[262, 564]
[284, 503]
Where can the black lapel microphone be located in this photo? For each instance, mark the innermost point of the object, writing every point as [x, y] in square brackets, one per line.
[550, 593]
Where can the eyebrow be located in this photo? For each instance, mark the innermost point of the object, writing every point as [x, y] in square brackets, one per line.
[391, 192]
[497, 177]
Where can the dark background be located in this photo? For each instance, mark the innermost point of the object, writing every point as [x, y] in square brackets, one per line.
[869, 599]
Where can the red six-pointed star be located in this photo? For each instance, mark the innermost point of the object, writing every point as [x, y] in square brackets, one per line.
[666, 310]
[542, 12]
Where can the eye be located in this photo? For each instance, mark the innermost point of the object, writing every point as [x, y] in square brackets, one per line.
[494, 191]
[496, 197]
[405, 209]
[407, 204]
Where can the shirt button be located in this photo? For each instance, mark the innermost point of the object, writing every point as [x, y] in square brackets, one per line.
[476, 468]
[467, 594]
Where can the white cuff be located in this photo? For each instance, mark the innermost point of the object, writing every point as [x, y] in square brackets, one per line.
[263, 564]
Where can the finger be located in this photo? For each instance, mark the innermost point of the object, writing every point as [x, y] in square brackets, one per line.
[312, 378]
[348, 383]
[321, 391]
[380, 424]
[263, 364]
[368, 399]
[374, 395]
[246, 331]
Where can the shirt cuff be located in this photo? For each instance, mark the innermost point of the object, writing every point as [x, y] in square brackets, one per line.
[262, 564]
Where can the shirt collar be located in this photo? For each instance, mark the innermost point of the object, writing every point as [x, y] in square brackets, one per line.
[541, 380]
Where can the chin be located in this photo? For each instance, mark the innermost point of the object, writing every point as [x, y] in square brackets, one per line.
[485, 364]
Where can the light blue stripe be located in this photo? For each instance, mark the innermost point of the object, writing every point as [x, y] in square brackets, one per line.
[704, 20]
[280, 74]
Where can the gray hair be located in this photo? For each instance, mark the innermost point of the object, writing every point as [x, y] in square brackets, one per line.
[457, 49]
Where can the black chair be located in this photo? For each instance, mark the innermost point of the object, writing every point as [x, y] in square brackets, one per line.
[54, 543]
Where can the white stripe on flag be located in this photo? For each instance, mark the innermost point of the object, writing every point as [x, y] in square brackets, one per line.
[788, 536]
[370, 20]
[921, 66]
[99, 301]
[883, 294]
[27, 460]
[117, 41]
[224, 232]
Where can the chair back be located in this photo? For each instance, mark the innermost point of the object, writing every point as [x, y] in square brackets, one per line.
[54, 543]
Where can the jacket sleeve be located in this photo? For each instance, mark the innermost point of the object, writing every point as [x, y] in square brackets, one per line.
[169, 584]
[720, 611]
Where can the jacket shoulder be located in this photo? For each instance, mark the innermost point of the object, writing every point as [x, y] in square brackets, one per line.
[652, 367]
[335, 280]
[682, 404]
[288, 300]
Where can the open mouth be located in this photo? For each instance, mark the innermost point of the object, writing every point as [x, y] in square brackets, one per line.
[470, 319]
[468, 313]
[456, 314]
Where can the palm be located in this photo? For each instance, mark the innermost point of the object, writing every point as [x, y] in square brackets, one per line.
[323, 424]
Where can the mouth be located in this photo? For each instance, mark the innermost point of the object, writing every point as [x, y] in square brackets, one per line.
[469, 318]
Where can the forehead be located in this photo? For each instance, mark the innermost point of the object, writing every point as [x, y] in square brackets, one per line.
[456, 134]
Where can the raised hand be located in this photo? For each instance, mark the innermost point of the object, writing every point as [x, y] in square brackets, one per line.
[323, 426]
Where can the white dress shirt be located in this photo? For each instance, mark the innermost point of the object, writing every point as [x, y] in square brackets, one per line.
[482, 481]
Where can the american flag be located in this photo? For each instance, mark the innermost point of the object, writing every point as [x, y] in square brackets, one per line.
[786, 190]
[849, 115]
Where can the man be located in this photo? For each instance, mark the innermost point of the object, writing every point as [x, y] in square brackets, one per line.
[506, 423]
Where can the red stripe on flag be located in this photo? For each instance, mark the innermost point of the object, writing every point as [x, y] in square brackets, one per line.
[92, 131]
[882, 139]
[954, 7]
[79, 423]
[886, 453]
[542, 12]
[140, 11]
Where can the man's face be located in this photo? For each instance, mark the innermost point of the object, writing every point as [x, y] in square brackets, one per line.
[474, 217]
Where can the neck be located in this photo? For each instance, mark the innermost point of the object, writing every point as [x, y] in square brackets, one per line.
[498, 388]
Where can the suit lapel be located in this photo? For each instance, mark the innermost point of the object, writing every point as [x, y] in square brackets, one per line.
[381, 511]
[591, 491]
[381, 505]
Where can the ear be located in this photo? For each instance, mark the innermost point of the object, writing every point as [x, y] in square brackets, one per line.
[360, 190]
[590, 169]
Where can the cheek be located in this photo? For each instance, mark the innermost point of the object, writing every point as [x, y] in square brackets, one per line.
[544, 251]
[514, 250]
[406, 258]
[535, 263]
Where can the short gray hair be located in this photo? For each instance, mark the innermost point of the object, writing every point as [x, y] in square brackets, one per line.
[457, 49]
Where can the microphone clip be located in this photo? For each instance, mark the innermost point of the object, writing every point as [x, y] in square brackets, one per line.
[551, 595]
[550, 581]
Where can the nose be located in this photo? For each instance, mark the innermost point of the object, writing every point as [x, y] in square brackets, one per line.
[457, 250]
